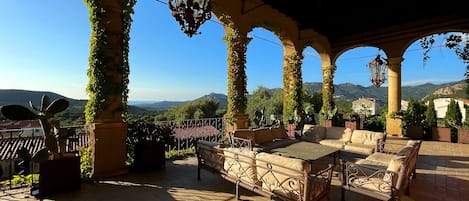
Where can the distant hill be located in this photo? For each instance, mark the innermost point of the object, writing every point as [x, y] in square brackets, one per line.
[343, 92]
[167, 104]
[221, 98]
[349, 92]
[22, 97]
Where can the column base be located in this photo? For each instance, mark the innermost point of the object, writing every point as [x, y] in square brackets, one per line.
[393, 127]
[108, 149]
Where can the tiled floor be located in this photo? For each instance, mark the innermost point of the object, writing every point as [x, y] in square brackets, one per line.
[442, 174]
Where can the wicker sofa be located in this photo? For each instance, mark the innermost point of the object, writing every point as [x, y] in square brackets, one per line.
[363, 142]
[382, 175]
[273, 176]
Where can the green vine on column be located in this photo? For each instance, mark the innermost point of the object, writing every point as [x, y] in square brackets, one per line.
[108, 77]
[237, 46]
[293, 86]
[328, 109]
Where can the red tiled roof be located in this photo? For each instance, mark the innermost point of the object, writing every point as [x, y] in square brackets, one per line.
[200, 131]
[10, 146]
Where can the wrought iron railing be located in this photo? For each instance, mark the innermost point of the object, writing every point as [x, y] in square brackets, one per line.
[12, 173]
[188, 132]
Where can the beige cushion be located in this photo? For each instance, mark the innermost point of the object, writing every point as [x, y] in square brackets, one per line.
[263, 135]
[411, 142]
[373, 184]
[366, 137]
[339, 133]
[381, 157]
[211, 153]
[240, 163]
[279, 132]
[281, 179]
[315, 132]
[360, 148]
[395, 164]
[404, 151]
[374, 164]
[333, 143]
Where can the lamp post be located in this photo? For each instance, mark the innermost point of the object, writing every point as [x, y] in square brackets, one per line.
[190, 14]
[378, 68]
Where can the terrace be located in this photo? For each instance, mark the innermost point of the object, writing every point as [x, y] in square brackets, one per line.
[442, 174]
[442, 168]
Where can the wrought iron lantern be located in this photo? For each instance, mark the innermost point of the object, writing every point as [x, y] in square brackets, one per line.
[378, 69]
[190, 14]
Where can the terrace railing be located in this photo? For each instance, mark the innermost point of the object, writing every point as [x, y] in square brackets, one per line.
[12, 174]
[190, 130]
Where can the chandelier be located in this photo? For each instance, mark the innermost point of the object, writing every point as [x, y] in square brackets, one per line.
[190, 14]
[378, 68]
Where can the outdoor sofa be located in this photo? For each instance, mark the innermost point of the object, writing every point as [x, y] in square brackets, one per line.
[261, 139]
[270, 175]
[382, 175]
[362, 142]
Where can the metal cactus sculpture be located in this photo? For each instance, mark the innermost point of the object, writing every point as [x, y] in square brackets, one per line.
[55, 136]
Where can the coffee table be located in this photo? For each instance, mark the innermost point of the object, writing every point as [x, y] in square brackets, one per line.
[309, 151]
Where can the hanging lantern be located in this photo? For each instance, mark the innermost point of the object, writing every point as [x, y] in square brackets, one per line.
[190, 14]
[378, 68]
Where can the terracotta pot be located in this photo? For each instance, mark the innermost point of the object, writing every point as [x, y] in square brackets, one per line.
[414, 132]
[354, 125]
[463, 136]
[149, 156]
[441, 134]
[58, 175]
[328, 123]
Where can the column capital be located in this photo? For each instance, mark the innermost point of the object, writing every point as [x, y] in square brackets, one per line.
[395, 61]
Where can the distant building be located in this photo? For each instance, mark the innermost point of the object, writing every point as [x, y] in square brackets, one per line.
[441, 106]
[26, 128]
[366, 106]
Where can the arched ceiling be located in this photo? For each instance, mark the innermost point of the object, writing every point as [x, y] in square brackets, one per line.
[342, 22]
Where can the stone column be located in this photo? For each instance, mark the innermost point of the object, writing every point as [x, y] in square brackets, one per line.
[328, 109]
[394, 95]
[107, 87]
[292, 87]
[237, 43]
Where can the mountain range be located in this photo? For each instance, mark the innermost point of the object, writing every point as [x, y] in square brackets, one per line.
[343, 92]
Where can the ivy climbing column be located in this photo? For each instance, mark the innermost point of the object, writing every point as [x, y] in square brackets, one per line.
[237, 43]
[107, 88]
[328, 109]
[292, 87]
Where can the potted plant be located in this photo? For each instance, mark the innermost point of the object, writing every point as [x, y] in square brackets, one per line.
[146, 144]
[352, 120]
[294, 125]
[58, 170]
[413, 119]
[327, 113]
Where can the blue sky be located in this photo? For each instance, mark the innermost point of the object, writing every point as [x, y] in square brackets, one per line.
[45, 47]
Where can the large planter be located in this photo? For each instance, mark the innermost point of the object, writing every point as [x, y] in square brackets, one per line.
[292, 130]
[354, 125]
[58, 175]
[328, 123]
[463, 136]
[149, 156]
[441, 134]
[415, 132]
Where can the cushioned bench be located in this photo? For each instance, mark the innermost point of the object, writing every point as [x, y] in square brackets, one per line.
[273, 176]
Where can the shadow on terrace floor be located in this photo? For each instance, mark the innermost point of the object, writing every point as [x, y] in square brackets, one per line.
[442, 174]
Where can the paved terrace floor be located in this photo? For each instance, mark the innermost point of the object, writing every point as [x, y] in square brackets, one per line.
[442, 174]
